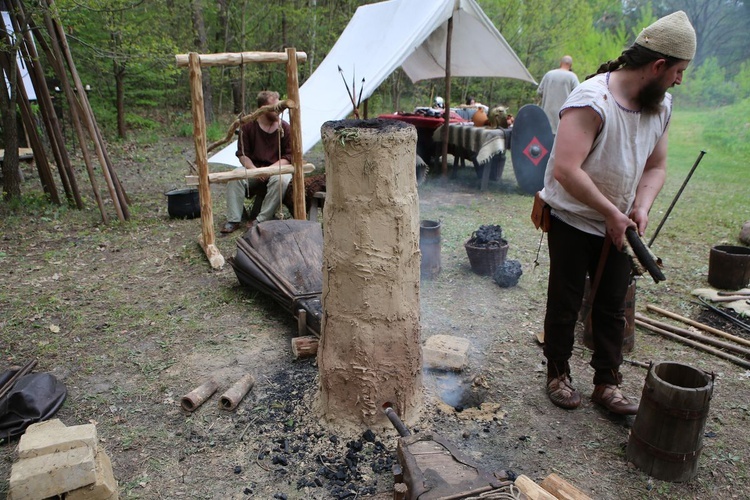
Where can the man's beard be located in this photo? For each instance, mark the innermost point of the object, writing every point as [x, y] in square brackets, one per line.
[650, 97]
[272, 117]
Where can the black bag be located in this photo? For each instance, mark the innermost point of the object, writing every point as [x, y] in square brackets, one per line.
[34, 398]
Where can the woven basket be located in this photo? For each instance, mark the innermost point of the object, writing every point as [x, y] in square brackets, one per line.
[485, 259]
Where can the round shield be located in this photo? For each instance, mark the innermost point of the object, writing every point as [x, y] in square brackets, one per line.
[531, 147]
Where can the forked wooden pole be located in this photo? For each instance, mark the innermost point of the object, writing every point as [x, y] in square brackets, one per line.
[207, 241]
[292, 91]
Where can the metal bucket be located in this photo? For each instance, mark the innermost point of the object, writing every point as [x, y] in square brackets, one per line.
[667, 435]
[429, 245]
[628, 340]
[729, 267]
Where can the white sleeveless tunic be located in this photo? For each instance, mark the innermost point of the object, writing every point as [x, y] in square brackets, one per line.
[617, 158]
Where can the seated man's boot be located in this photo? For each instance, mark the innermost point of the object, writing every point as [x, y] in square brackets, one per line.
[610, 397]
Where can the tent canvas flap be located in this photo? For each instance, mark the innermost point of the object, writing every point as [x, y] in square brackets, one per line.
[383, 36]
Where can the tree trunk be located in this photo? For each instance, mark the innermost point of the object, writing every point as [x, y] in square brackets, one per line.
[201, 45]
[119, 71]
[11, 173]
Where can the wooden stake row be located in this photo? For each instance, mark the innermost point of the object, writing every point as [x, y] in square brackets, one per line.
[60, 58]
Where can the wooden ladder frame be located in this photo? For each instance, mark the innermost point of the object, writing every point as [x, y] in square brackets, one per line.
[194, 62]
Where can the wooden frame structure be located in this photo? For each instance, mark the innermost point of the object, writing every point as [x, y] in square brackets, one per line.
[194, 62]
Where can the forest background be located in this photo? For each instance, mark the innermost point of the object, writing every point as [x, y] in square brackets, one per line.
[124, 50]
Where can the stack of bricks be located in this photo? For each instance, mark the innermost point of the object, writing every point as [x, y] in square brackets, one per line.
[54, 459]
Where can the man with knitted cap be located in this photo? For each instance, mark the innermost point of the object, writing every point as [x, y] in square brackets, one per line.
[608, 164]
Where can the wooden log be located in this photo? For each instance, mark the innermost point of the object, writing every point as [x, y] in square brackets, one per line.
[207, 241]
[562, 489]
[532, 490]
[716, 352]
[695, 336]
[238, 58]
[295, 123]
[239, 173]
[304, 347]
[193, 399]
[232, 397]
[696, 324]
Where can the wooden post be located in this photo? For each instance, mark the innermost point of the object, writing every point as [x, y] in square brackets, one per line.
[295, 121]
[447, 99]
[207, 240]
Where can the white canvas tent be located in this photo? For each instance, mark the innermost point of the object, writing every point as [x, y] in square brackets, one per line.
[407, 33]
[25, 78]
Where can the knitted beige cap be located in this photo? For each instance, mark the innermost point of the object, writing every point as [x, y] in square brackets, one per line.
[672, 35]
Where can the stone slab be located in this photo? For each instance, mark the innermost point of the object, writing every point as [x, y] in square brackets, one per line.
[105, 487]
[52, 474]
[444, 352]
[51, 438]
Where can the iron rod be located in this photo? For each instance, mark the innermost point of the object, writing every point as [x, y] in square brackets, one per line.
[677, 196]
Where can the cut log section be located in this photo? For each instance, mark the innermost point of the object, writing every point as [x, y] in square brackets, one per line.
[562, 489]
[304, 347]
[532, 490]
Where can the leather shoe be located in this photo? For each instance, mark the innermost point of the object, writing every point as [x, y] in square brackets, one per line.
[562, 393]
[230, 227]
[610, 397]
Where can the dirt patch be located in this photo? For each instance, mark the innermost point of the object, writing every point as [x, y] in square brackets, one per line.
[131, 317]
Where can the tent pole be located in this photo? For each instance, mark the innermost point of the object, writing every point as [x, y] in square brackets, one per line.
[447, 101]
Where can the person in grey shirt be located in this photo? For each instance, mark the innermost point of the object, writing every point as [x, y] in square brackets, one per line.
[554, 88]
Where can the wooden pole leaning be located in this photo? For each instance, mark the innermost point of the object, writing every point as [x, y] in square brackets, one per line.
[207, 240]
[292, 92]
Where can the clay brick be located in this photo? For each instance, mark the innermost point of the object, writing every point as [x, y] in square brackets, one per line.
[443, 352]
[52, 474]
[105, 487]
[54, 438]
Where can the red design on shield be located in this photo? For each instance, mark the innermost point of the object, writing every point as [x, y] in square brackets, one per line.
[535, 151]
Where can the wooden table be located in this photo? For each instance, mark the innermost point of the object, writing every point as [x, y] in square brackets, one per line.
[484, 147]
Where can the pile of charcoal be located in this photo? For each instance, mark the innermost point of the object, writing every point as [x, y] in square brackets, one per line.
[301, 452]
[487, 236]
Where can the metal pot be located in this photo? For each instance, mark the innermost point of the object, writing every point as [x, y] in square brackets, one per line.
[183, 203]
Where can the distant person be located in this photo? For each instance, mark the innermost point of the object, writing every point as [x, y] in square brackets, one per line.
[607, 166]
[555, 87]
[258, 146]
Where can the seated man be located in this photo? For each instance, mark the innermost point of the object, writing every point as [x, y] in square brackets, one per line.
[259, 145]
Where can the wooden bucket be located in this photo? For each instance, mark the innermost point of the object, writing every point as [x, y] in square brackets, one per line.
[628, 340]
[667, 435]
[429, 245]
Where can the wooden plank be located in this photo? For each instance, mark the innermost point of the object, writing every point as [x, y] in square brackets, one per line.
[24, 154]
